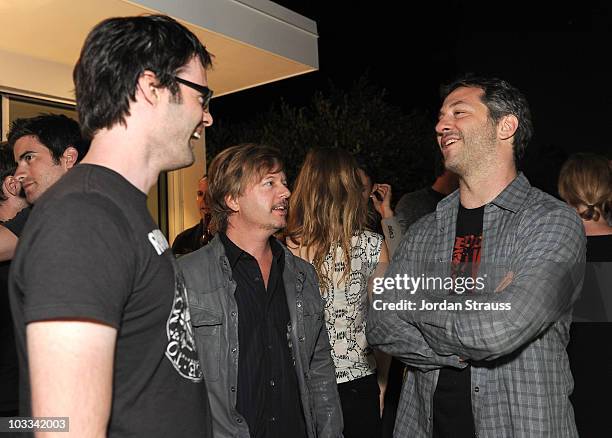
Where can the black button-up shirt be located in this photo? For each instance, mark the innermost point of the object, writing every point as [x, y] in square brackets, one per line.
[267, 395]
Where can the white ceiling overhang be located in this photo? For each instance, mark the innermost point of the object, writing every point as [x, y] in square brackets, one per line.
[254, 42]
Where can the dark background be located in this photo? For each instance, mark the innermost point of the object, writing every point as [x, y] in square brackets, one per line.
[557, 55]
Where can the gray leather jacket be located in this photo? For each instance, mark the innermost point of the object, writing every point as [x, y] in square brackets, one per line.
[214, 317]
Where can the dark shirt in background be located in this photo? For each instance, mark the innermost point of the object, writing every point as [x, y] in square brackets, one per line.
[16, 224]
[590, 345]
[9, 367]
[192, 238]
[414, 205]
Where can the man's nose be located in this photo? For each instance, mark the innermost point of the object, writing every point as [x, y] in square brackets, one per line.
[20, 173]
[444, 124]
[207, 118]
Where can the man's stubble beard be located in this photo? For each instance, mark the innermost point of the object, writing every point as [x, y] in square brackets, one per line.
[477, 153]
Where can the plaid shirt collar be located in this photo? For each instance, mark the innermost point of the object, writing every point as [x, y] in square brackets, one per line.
[511, 198]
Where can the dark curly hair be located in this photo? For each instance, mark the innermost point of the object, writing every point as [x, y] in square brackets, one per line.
[116, 52]
[501, 99]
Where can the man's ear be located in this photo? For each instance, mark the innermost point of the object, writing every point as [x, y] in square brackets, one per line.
[70, 157]
[232, 203]
[507, 126]
[148, 87]
[11, 185]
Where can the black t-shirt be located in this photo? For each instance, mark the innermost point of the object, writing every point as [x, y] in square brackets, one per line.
[452, 405]
[91, 250]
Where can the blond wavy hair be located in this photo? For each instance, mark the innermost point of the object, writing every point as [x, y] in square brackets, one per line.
[585, 182]
[326, 208]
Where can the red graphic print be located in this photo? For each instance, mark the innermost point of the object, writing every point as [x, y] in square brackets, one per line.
[466, 256]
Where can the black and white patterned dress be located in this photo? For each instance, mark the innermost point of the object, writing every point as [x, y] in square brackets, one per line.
[346, 306]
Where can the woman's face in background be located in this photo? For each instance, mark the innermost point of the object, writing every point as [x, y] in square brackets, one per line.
[366, 185]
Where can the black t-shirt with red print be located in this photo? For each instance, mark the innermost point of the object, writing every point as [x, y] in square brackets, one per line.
[452, 406]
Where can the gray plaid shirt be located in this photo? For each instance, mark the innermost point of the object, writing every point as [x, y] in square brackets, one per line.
[520, 375]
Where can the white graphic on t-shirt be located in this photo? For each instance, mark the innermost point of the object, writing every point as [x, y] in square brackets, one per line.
[181, 348]
[158, 240]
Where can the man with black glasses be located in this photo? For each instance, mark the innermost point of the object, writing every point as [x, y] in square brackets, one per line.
[102, 323]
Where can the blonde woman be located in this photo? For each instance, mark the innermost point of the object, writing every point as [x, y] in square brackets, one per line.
[327, 227]
[585, 182]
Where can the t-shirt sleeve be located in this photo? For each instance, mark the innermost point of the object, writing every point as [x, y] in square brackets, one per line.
[16, 224]
[76, 261]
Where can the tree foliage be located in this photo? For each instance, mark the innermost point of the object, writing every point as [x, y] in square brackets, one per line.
[398, 147]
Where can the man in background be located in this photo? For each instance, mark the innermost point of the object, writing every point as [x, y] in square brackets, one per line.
[414, 205]
[199, 235]
[411, 206]
[44, 147]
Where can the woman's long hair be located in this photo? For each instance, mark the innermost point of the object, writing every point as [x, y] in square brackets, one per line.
[326, 208]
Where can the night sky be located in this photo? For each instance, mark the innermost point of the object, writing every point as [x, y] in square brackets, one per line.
[557, 56]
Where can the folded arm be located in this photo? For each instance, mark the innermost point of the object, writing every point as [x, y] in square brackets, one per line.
[388, 332]
[547, 271]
